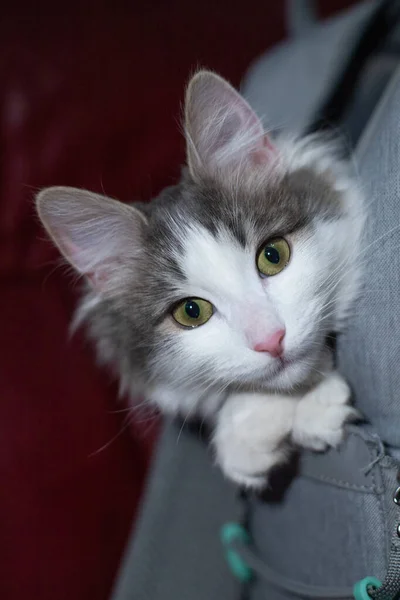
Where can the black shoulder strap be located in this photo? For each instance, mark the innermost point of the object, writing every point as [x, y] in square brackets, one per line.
[372, 38]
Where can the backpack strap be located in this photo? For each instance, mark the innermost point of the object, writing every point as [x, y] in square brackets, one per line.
[372, 38]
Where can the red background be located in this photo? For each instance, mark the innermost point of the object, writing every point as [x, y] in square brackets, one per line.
[90, 96]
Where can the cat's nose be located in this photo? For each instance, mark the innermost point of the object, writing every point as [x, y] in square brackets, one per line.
[273, 344]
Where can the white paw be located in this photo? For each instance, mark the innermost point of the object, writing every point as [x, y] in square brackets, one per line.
[322, 414]
[250, 436]
[247, 466]
[319, 427]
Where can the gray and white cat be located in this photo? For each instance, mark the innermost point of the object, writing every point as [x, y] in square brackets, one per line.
[216, 298]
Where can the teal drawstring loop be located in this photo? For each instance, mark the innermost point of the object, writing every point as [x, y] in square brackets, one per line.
[233, 532]
[362, 588]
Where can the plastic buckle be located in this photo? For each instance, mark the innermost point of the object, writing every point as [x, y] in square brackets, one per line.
[233, 532]
[360, 590]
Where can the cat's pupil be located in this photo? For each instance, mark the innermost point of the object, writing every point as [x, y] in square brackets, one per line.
[192, 309]
[272, 255]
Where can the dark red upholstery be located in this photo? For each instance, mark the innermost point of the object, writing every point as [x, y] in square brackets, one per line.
[90, 96]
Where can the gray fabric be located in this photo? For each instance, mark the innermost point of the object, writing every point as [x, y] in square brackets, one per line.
[369, 351]
[274, 582]
[271, 582]
[323, 519]
[347, 465]
[376, 76]
[390, 515]
[175, 552]
[301, 16]
[288, 84]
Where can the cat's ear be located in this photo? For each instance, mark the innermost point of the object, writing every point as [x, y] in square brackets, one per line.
[99, 236]
[222, 131]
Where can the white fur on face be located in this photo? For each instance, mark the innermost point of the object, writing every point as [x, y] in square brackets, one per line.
[249, 308]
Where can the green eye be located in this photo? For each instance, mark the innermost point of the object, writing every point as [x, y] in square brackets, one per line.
[193, 312]
[273, 257]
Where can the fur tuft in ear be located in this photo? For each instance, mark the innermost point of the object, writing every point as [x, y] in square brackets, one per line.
[222, 131]
[99, 236]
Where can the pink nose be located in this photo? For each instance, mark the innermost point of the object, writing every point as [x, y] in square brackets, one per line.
[273, 344]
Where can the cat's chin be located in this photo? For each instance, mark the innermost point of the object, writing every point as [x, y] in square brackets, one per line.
[298, 369]
[289, 373]
[283, 376]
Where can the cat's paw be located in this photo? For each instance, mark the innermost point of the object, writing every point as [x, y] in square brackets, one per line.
[321, 415]
[248, 466]
[319, 427]
[250, 436]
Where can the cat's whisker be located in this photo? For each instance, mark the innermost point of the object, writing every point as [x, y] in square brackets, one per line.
[150, 419]
[324, 318]
[315, 344]
[149, 425]
[119, 411]
[315, 370]
[331, 274]
[187, 416]
[126, 424]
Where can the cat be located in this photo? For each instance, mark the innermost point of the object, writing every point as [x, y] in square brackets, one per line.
[216, 298]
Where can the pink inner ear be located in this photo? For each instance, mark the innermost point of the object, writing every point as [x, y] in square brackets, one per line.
[268, 144]
[71, 250]
[98, 280]
[265, 154]
[224, 131]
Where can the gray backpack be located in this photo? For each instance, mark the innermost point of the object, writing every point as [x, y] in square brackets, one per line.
[329, 526]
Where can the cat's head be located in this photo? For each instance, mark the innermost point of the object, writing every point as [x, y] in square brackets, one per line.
[234, 276]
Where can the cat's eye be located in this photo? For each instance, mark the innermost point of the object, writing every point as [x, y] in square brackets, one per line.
[193, 312]
[273, 257]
